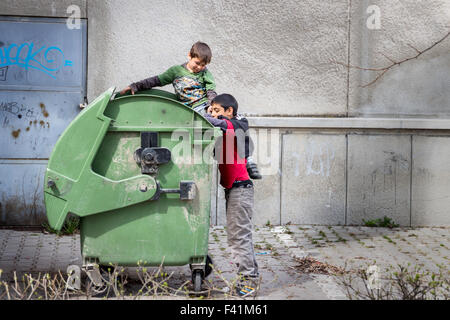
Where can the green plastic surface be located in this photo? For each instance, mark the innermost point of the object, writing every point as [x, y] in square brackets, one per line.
[94, 175]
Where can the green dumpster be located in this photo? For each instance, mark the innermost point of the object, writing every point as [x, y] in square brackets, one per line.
[137, 170]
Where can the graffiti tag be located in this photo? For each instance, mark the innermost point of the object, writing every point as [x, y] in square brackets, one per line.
[45, 59]
[17, 109]
[3, 72]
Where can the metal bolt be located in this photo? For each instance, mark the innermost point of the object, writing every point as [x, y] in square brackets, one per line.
[148, 157]
[143, 188]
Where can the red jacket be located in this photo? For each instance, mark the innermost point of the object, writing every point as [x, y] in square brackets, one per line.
[231, 166]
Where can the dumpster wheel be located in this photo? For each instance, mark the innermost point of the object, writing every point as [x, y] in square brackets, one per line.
[208, 267]
[197, 279]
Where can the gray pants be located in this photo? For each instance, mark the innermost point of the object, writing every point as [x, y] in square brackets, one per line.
[239, 209]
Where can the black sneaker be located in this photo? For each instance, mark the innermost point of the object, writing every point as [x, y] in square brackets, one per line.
[252, 170]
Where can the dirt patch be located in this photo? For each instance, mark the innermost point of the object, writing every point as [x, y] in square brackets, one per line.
[311, 265]
[15, 133]
[44, 110]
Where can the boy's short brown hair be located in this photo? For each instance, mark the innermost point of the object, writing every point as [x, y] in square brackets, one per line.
[202, 51]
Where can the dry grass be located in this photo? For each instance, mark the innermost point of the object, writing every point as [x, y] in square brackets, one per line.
[147, 283]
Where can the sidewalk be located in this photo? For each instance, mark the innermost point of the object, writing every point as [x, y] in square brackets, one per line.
[277, 250]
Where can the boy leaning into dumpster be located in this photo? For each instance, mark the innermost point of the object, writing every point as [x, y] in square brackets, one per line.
[194, 86]
[238, 188]
[193, 83]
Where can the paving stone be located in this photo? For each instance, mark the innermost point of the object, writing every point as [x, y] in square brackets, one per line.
[48, 253]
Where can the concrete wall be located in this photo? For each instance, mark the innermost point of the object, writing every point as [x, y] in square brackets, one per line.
[417, 87]
[272, 55]
[313, 178]
[429, 180]
[346, 150]
[345, 174]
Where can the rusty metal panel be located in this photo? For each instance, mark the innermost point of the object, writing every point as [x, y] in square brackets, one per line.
[21, 185]
[32, 121]
[42, 54]
[42, 83]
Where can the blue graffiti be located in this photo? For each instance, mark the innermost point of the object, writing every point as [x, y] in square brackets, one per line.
[24, 57]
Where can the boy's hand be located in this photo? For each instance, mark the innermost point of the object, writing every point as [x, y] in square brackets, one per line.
[127, 89]
[209, 110]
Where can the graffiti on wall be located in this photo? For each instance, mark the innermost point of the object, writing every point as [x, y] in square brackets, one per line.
[3, 73]
[44, 59]
[11, 111]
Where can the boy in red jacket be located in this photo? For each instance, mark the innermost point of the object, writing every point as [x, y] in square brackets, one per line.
[238, 186]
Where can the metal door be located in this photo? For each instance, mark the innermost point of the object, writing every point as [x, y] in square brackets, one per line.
[42, 83]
